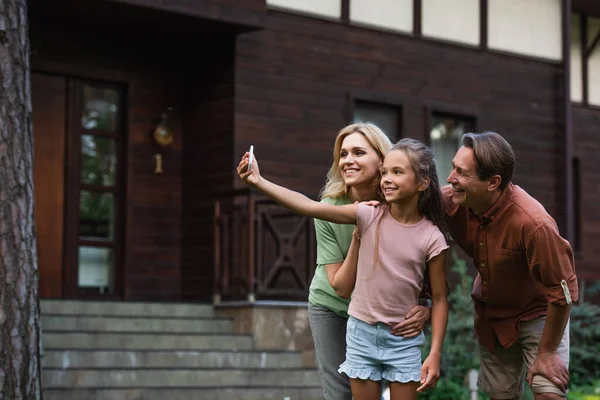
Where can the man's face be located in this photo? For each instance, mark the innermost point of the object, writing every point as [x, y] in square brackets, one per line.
[468, 189]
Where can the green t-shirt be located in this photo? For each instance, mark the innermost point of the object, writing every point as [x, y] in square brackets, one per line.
[333, 242]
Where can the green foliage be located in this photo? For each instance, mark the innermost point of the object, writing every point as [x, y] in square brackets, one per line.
[585, 345]
[460, 353]
[588, 392]
[447, 389]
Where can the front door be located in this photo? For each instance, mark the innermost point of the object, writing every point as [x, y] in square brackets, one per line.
[79, 137]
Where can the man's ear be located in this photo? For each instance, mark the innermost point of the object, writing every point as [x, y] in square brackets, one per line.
[423, 185]
[495, 182]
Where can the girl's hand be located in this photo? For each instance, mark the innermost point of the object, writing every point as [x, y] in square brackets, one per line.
[430, 372]
[356, 234]
[251, 177]
[414, 323]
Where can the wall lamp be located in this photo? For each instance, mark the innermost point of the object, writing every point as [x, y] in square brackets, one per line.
[162, 135]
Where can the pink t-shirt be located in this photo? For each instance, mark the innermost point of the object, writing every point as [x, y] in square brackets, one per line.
[389, 292]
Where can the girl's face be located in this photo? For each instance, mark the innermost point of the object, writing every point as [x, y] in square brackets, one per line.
[398, 180]
[359, 163]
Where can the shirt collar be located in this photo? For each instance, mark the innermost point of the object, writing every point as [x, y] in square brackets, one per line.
[498, 206]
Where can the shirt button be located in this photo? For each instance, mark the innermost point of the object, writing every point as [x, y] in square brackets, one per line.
[482, 265]
[480, 244]
[484, 283]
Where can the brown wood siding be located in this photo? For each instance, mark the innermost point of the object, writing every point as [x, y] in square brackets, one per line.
[293, 80]
[286, 90]
[586, 148]
[207, 163]
[49, 99]
[152, 259]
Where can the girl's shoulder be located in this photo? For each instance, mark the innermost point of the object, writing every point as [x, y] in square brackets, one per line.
[433, 232]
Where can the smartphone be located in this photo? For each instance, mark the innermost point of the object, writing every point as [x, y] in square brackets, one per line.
[250, 157]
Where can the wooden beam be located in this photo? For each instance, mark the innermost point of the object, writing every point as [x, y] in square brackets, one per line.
[483, 24]
[346, 11]
[583, 31]
[417, 17]
[589, 49]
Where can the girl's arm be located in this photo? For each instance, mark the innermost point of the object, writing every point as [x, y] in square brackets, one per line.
[430, 372]
[295, 201]
[342, 276]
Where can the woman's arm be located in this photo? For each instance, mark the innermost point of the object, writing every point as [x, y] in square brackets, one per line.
[342, 276]
[430, 372]
[295, 201]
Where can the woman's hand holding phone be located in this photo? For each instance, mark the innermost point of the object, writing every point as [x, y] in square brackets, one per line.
[248, 168]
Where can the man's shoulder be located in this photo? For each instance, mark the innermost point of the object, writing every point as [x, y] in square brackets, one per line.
[527, 210]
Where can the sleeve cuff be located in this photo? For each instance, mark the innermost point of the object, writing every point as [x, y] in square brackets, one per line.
[564, 293]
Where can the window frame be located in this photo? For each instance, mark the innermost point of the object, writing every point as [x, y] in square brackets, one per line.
[459, 113]
[379, 99]
[73, 241]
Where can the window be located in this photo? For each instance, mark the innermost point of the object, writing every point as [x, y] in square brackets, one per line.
[385, 116]
[97, 148]
[446, 137]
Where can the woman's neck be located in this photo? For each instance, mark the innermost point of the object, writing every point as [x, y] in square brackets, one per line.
[363, 193]
[406, 212]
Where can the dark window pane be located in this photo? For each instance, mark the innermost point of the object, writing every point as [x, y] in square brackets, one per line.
[100, 108]
[96, 266]
[98, 160]
[386, 117]
[96, 218]
[446, 138]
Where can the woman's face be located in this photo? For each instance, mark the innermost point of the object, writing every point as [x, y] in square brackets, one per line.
[359, 163]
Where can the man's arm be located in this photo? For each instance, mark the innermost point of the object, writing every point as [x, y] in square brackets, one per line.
[556, 322]
[551, 262]
[548, 363]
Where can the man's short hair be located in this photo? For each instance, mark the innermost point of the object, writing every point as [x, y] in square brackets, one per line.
[493, 155]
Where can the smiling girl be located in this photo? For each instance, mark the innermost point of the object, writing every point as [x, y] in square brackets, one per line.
[386, 276]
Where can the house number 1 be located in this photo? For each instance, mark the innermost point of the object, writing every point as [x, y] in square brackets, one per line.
[158, 169]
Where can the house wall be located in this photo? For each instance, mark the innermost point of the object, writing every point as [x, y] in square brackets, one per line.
[207, 163]
[288, 89]
[296, 78]
[168, 239]
[586, 148]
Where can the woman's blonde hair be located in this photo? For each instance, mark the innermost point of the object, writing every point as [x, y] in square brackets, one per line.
[335, 186]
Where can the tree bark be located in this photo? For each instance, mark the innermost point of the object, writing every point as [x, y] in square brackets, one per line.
[20, 339]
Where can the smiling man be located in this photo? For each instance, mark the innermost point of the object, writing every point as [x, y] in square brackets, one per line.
[526, 281]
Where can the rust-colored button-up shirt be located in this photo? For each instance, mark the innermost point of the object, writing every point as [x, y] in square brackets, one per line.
[521, 258]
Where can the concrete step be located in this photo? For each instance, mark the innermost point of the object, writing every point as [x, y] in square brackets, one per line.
[83, 323]
[193, 377]
[170, 359]
[242, 393]
[144, 341]
[139, 309]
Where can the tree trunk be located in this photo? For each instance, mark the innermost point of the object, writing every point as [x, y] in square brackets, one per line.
[19, 309]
